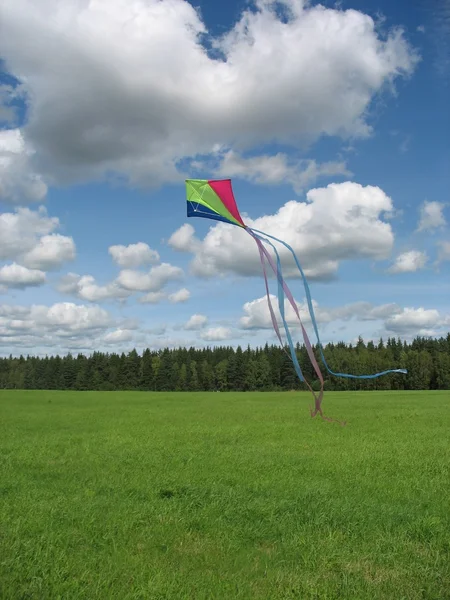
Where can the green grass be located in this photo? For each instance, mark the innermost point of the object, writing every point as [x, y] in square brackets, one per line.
[203, 496]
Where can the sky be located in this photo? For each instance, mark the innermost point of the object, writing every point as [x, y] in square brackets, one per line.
[330, 119]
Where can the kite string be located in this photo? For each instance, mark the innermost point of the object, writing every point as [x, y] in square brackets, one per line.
[313, 317]
[283, 288]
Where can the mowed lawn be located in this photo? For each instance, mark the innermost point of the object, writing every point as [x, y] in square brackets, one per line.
[201, 496]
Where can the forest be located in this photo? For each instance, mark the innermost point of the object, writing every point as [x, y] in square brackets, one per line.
[224, 368]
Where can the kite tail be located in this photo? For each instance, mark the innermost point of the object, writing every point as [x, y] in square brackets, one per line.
[283, 290]
[272, 313]
[313, 317]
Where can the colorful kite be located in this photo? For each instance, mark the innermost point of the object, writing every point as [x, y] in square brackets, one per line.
[214, 199]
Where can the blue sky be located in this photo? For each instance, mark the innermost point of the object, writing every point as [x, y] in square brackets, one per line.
[332, 123]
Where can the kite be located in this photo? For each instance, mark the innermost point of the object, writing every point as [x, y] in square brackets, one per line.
[214, 199]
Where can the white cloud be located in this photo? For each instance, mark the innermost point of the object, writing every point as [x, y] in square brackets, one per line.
[409, 262]
[279, 168]
[417, 321]
[179, 296]
[19, 184]
[86, 288]
[128, 282]
[431, 216]
[184, 240]
[158, 330]
[339, 222]
[50, 252]
[16, 276]
[118, 336]
[196, 322]
[59, 319]
[392, 318]
[27, 239]
[73, 317]
[153, 281]
[152, 298]
[61, 327]
[444, 251]
[216, 334]
[134, 255]
[20, 231]
[168, 99]
[257, 315]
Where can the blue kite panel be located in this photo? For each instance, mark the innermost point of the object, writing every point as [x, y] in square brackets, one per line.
[199, 210]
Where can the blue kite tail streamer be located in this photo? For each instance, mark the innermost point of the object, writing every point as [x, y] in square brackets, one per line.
[281, 296]
[281, 308]
[313, 318]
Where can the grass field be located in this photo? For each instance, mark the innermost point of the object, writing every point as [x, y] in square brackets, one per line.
[203, 496]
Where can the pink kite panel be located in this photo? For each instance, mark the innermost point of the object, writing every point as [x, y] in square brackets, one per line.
[223, 189]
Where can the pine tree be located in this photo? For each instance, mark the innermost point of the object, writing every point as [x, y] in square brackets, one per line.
[183, 378]
[193, 379]
[133, 370]
[147, 375]
[251, 376]
[287, 373]
[163, 378]
[207, 376]
[68, 373]
[263, 380]
[220, 373]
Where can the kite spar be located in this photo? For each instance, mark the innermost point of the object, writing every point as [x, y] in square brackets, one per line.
[214, 199]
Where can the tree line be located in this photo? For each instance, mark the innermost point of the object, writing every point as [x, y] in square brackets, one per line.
[225, 368]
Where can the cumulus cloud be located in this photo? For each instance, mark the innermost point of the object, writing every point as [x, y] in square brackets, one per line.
[27, 239]
[16, 276]
[409, 262]
[61, 327]
[128, 282]
[153, 281]
[444, 251]
[19, 184]
[179, 296]
[20, 231]
[392, 318]
[50, 252]
[196, 322]
[184, 240]
[216, 334]
[86, 288]
[152, 298]
[133, 255]
[431, 216]
[417, 321]
[257, 315]
[139, 107]
[275, 169]
[63, 316]
[342, 221]
[117, 336]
